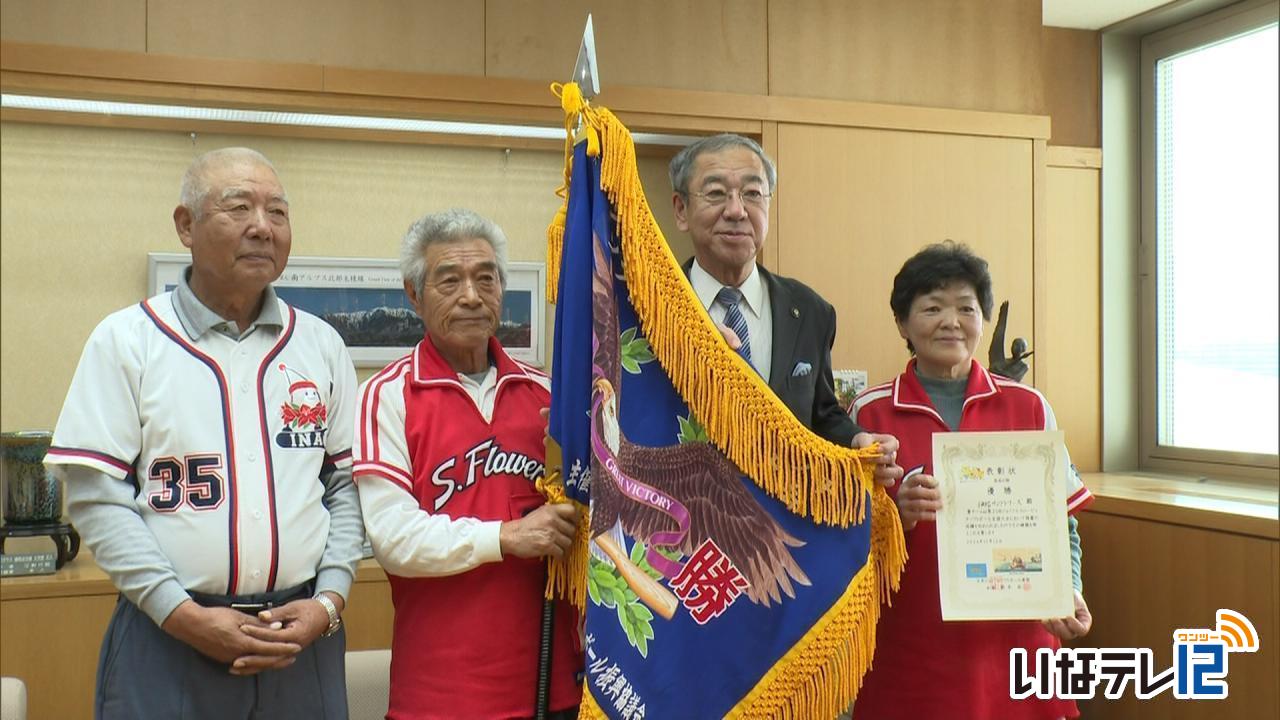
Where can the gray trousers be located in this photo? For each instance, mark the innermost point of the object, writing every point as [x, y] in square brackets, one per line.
[145, 674]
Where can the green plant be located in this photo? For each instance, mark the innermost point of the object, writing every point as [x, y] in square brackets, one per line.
[641, 558]
[691, 430]
[606, 587]
[636, 351]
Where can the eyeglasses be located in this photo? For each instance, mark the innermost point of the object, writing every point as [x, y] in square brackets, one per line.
[717, 197]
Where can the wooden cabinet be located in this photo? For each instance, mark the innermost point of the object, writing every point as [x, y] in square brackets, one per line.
[1160, 556]
[51, 630]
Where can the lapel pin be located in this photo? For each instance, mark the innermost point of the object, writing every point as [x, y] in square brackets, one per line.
[795, 312]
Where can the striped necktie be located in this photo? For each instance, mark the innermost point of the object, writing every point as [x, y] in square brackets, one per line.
[730, 298]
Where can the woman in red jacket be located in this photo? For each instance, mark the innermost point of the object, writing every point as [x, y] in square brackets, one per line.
[925, 668]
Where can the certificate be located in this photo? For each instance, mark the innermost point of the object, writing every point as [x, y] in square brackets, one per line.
[1003, 552]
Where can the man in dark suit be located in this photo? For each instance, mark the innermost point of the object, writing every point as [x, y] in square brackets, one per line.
[721, 187]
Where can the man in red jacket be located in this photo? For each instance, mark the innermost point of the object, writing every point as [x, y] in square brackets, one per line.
[449, 441]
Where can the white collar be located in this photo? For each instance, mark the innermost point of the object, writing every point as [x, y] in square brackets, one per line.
[707, 287]
[490, 379]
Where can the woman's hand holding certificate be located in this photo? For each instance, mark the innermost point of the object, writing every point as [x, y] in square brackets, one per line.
[1073, 626]
[918, 499]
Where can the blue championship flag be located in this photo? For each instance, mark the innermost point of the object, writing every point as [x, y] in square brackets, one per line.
[729, 562]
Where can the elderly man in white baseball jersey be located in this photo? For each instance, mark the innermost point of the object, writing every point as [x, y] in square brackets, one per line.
[206, 446]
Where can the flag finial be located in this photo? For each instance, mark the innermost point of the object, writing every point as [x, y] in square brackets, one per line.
[585, 71]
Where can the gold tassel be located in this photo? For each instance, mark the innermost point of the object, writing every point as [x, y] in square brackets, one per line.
[580, 123]
[567, 575]
[570, 101]
[888, 544]
[742, 416]
[589, 709]
[555, 248]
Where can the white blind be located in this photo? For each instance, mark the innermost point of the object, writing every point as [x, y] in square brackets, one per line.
[1217, 297]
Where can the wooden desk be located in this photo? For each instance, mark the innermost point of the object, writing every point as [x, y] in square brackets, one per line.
[1162, 554]
[51, 630]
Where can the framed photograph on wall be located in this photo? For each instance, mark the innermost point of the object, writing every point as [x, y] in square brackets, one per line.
[364, 300]
[848, 384]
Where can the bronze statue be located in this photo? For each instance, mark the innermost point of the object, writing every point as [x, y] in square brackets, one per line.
[1013, 366]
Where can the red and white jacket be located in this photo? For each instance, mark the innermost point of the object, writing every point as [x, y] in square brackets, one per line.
[925, 668]
[439, 470]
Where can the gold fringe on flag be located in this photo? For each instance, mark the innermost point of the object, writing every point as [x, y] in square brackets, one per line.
[821, 674]
[589, 709]
[742, 416]
[888, 544]
[567, 575]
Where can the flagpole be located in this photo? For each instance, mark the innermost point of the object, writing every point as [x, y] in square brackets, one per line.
[544, 659]
[584, 73]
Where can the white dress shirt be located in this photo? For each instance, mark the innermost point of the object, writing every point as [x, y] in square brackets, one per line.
[755, 308]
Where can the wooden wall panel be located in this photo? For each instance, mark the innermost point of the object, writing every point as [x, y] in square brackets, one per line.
[1144, 579]
[657, 191]
[369, 614]
[75, 238]
[859, 202]
[113, 191]
[769, 254]
[1073, 85]
[1073, 331]
[430, 36]
[710, 45]
[107, 24]
[52, 645]
[971, 54]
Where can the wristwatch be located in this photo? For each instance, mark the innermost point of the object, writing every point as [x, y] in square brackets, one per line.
[335, 620]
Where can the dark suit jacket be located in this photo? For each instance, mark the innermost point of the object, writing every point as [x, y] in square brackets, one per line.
[804, 329]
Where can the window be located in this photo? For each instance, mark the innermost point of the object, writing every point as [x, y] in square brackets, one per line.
[1211, 246]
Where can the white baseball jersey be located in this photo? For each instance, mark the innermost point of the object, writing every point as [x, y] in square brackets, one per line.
[223, 440]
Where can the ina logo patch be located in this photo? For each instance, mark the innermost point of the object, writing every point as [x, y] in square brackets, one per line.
[304, 415]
